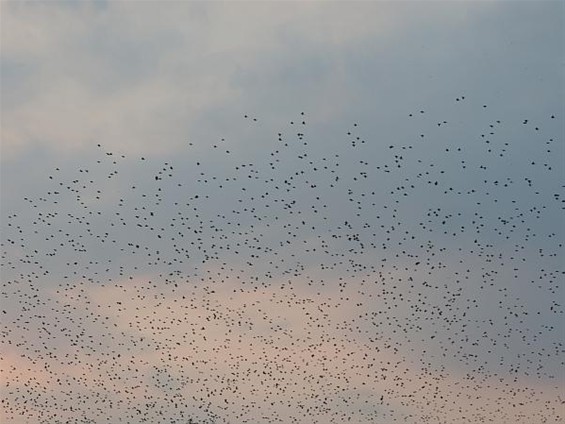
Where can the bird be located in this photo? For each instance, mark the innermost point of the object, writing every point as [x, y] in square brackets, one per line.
[410, 276]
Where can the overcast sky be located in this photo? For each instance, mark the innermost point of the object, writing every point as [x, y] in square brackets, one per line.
[400, 206]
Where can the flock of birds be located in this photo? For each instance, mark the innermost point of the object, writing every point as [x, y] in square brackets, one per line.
[295, 276]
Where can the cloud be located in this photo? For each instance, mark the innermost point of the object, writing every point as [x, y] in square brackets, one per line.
[256, 342]
[143, 79]
[136, 77]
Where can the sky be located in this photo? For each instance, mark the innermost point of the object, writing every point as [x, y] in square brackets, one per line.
[286, 212]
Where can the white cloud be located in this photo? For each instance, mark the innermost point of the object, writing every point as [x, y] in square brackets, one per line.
[135, 76]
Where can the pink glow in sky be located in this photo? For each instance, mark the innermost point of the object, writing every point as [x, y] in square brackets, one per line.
[282, 212]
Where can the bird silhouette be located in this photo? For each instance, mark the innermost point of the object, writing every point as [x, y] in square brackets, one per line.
[368, 279]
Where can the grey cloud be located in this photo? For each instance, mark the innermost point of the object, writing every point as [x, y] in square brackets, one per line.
[146, 79]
